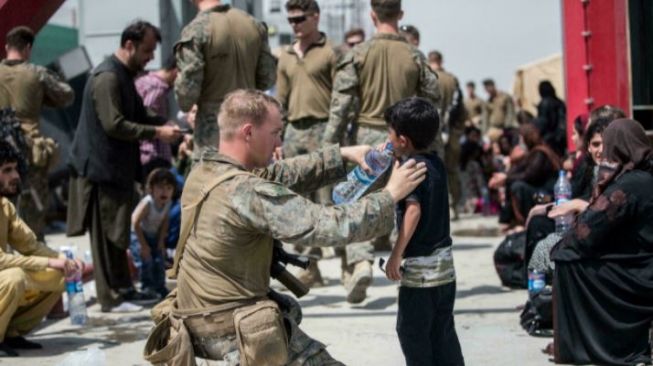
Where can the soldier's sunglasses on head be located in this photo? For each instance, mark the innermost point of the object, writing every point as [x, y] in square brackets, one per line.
[297, 20]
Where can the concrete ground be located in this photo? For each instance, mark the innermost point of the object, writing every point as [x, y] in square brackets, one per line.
[487, 318]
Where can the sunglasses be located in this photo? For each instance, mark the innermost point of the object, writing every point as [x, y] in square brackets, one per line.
[297, 20]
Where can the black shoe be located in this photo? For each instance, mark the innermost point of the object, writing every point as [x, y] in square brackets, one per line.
[6, 351]
[21, 343]
[141, 298]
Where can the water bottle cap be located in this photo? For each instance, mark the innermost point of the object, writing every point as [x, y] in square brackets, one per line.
[388, 146]
[561, 173]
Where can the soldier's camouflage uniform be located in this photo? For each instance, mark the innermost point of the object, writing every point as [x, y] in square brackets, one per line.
[26, 88]
[350, 91]
[221, 50]
[454, 123]
[228, 253]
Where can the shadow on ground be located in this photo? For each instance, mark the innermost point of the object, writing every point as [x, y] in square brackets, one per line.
[107, 333]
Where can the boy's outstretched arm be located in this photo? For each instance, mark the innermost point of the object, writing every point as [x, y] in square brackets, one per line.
[408, 226]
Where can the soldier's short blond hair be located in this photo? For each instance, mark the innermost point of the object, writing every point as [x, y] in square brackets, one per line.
[243, 106]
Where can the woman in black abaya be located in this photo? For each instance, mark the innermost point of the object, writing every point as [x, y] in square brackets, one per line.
[603, 282]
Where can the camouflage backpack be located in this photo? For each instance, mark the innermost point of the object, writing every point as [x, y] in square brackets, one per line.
[11, 132]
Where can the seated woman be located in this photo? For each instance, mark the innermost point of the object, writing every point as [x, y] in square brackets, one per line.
[603, 281]
[536, 172]
[539, 224]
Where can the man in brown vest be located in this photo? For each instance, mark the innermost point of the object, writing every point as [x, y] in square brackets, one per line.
[26, 88]
[221, 50]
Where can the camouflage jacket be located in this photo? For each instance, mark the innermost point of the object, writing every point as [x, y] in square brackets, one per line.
[237, 47]
[228, 254]
[26, 88]
[349, 93]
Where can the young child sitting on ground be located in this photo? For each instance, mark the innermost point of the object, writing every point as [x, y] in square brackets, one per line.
[150, 229]
[425, 323]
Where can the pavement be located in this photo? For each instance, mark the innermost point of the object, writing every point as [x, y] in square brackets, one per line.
[486, 316]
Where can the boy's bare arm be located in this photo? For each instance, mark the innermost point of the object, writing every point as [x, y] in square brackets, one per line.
[411, 219]
[163, 233]
[137, 217]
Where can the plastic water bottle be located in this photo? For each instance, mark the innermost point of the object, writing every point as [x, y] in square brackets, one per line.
[562, 192]
[536, 281]
[75, 291]
[359, 181]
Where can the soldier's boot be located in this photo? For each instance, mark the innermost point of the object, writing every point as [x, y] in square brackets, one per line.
[311, 277]
[360, 280]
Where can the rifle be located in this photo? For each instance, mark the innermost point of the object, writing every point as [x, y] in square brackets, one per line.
[280, 259]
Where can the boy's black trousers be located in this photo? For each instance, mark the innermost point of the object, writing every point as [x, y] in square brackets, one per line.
[426, 328]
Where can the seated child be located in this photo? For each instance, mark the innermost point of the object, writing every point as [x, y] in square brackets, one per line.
[425, 323]
[149, 231]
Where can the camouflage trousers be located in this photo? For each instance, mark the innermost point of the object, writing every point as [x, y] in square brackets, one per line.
[452, 166]
[304, 137]
[364, 251]
[302, 349]
[206, 135]
[34, 200]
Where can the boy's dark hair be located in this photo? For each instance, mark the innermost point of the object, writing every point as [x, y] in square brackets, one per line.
[386, 10]
[488, 82]
[8, 153]
[160, 176]
[136, 31]
[170, 63]
[471, 83]
[20, 37]
[414, 118]
[307, 6]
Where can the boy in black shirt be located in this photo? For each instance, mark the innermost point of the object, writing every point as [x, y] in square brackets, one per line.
[425, 322]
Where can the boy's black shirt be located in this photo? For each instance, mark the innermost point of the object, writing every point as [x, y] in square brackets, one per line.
[432, 231]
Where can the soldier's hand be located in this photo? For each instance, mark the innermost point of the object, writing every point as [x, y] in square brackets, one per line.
[356, 155]
[405, 178]
[168, 134]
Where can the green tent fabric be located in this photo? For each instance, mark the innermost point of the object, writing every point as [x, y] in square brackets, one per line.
[53, 41]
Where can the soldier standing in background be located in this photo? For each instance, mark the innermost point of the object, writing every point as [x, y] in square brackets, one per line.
[453, 116]
[304, 80]
[411, 33]
[500, 111]
[26, 88]
[474, 105]
[373, 76]
[237, 47]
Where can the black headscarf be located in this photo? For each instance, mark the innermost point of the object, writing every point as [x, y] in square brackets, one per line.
[625, 147]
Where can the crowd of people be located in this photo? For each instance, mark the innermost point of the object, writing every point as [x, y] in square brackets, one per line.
[252, 159]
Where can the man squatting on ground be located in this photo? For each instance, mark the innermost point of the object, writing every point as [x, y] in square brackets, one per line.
[224, 267]
[30, 283]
